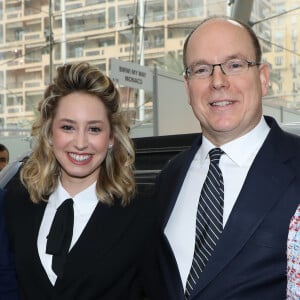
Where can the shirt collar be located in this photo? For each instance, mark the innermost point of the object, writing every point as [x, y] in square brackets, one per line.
[83, 201]
[250, 143]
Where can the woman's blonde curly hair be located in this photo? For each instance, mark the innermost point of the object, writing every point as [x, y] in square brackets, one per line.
[40, 172]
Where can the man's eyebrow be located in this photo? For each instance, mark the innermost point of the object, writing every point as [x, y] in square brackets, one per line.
[205, 62]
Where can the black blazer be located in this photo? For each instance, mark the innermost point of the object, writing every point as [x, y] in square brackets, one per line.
[103, 264]
[249, 261]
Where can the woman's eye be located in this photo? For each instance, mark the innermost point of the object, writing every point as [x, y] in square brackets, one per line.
[95, 129]
[67, 127]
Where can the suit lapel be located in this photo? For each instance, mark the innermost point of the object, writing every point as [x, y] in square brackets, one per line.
[38, 214]
[265, 183]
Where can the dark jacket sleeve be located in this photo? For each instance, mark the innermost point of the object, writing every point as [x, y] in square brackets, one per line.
[8, 282]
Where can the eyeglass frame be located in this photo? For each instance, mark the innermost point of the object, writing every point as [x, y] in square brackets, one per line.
[249, 64]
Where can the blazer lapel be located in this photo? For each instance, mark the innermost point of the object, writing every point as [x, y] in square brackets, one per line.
[38, 214]
[266, 181]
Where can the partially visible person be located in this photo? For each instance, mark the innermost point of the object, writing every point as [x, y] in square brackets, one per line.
[227, 202]
[4, 156]
[80, 172]
[8, 280]
[293, 257]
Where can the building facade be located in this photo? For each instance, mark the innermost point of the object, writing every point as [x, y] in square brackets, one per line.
[36, 36]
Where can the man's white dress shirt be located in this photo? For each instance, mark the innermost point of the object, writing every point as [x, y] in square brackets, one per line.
[234, 164]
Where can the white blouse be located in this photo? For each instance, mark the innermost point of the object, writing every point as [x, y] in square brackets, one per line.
[84, 204]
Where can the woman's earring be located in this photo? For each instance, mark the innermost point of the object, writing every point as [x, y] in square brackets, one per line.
[110, 146]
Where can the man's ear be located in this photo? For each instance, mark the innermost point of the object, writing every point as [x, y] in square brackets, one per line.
[264, 73]
[186, 85]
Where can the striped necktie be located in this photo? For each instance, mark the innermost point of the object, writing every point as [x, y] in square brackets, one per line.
[209, 220]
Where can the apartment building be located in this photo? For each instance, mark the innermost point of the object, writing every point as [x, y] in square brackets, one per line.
[284, 54]
[36, 36]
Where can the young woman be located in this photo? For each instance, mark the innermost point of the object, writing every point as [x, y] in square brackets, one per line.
[82, 152]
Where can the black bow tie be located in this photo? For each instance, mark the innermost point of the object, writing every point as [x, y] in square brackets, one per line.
[60, 236]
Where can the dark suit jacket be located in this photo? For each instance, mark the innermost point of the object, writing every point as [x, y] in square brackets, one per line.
[8, 281]
[103, 264]
[249, 261]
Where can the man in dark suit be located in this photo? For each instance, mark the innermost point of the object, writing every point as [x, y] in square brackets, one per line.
[8, 283]
[260, 167]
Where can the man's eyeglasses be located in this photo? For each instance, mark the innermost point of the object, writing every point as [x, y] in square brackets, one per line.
[229, 67]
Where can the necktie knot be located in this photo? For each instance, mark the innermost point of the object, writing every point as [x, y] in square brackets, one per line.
[215, 155]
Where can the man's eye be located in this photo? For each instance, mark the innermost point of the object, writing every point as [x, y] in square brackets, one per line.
[235, 65]
[201, 69]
